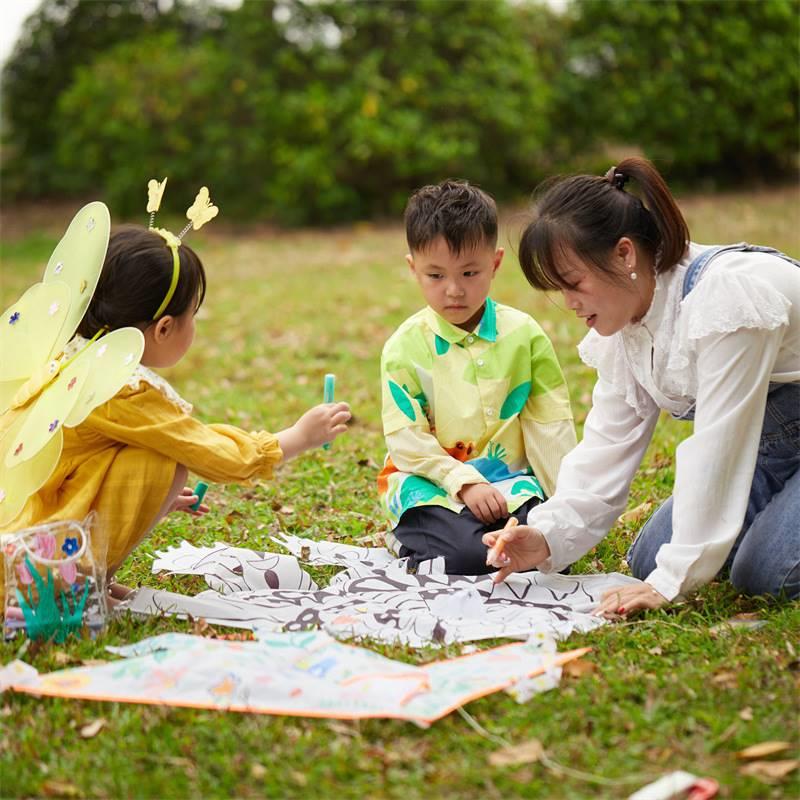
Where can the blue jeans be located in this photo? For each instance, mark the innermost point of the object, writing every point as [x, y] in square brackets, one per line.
[766, 556]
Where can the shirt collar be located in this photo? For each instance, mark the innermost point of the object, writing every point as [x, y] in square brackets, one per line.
[487, 328]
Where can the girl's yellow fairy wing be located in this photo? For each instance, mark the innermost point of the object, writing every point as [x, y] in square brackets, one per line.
[112, 360]
[91, 378]
[35, 329]
[27, 332]
[31, 445]
[19, 483]
[77, 261]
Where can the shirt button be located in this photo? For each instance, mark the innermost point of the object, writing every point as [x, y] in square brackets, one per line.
[480, 362]
[470, 339]
[489, 412]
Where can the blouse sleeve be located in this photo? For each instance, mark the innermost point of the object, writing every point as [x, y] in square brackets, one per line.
[143, 417]
[714, 467]
[595, 478]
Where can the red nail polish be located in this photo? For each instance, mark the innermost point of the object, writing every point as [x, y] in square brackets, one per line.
[621, 610]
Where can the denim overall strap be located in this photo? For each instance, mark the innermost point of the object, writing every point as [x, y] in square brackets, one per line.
[695, 271]
[701, 262]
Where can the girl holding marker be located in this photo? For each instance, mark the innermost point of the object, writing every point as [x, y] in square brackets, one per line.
[709, 334]
[129, 460]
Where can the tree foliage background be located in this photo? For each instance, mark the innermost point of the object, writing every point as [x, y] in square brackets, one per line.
[320, 112]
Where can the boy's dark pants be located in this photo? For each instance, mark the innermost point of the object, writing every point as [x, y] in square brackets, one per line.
[426, 532]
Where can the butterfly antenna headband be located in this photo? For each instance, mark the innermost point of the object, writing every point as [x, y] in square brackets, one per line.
[200, 212]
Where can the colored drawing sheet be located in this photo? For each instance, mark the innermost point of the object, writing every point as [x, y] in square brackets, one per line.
[302, 674]
[374, 597]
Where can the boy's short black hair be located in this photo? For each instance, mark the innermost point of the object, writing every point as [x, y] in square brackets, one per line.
[463, 214]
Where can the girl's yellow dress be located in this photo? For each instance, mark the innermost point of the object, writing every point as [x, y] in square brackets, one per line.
[121, 461]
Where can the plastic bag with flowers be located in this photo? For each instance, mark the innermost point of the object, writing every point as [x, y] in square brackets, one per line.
[54, 581]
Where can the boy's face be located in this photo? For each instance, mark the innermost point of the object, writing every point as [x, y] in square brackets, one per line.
[455, 286]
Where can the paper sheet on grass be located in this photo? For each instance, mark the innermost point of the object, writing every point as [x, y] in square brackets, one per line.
[384, 603]
[303, 674]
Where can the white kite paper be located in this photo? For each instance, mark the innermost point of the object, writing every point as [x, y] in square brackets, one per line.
[343, 555]
[302, 674]
[234, 569]
[386, 603]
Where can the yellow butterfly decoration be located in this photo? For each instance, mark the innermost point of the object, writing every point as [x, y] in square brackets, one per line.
[41, 390]
[155, 191]
[201, 211]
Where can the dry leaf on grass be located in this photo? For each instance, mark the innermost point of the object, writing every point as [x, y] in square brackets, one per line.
[637, 514]
[91, 730]
[578, 668]
[726, 679]
[769, 771]
[525, 753]
[746, 714]
[763, 749]
[60, 789]
[257, 771]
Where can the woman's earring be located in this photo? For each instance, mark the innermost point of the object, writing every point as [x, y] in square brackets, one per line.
[633, 275]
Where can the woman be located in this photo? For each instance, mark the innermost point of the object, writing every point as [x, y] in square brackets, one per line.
[708, 334]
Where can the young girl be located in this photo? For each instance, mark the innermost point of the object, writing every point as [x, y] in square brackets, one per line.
[710, 334]
[129, 460]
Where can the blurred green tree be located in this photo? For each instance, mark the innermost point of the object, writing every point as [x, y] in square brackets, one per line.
[312, 113]
[708, 89]
[58, 38]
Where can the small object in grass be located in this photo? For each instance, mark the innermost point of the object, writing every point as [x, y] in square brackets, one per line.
[305, 552]
[200, 490]
[328, 388]
[677, 785]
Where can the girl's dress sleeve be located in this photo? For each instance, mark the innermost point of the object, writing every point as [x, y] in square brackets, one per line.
[714, 467]
[595, 478]
[144, 418]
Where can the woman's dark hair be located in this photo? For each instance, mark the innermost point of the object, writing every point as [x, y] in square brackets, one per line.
[589, 214]
[135, 279]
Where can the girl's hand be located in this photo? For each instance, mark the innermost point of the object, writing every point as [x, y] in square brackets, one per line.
[522, 548]
[185, 500]
[621, 601]
[484, 501]
[319, 425]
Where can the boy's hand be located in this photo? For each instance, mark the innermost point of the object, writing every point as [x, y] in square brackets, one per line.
[184, 502]
[320, 424]
[522, 548]
[484, 501]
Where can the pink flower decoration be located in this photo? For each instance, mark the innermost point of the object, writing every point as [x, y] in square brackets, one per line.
[45, 545]
[24, 573]
[68, 571]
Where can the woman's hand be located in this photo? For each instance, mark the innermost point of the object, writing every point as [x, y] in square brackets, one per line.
[319, 425]
[622, 600]
[484, 501]
[184, 502]
[515, 550]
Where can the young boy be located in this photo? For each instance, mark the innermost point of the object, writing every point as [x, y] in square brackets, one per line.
[476, 412]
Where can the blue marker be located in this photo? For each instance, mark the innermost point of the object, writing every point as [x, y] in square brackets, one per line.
[327, 397]
[200, 490]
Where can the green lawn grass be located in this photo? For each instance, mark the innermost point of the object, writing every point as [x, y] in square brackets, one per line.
[283, 308]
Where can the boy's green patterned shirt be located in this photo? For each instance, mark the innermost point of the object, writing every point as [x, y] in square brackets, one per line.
[481, 394]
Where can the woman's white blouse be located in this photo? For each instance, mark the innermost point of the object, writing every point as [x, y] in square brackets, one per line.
[717, 350]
